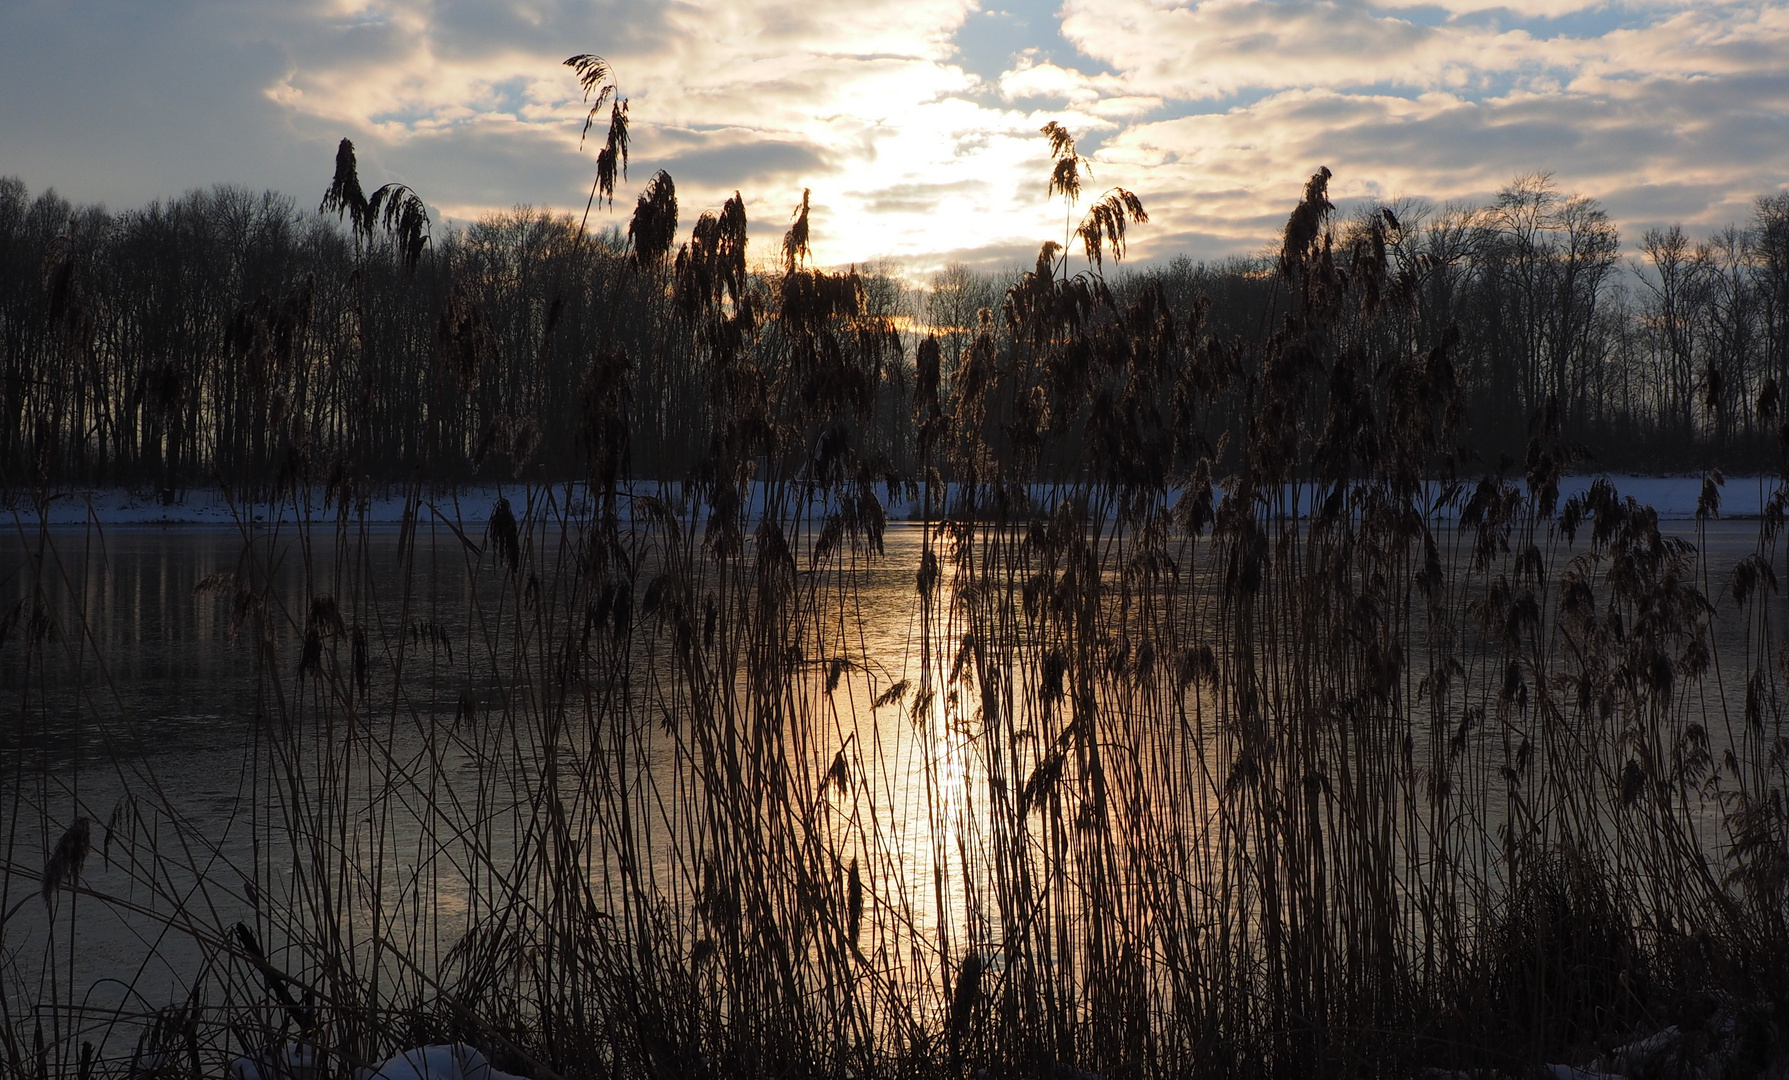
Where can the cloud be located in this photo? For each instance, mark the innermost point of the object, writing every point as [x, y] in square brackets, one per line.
[751, 162]
[1653, 153]
[768, 98]
[1213, 111]
[1217, 48]
[1447, 103]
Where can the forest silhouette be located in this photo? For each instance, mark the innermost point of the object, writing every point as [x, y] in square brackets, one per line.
[234, 336]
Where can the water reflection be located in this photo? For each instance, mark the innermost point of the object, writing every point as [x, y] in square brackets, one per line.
[151, 693]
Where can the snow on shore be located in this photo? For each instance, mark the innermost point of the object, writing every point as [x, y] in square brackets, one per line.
[1673, 496]
[118, 506]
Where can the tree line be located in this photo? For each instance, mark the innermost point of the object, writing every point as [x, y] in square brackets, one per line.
[238, 337]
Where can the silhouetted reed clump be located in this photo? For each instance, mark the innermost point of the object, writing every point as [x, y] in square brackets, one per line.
[1237, 727]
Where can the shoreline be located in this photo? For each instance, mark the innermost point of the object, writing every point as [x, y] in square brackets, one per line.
[1674, 497]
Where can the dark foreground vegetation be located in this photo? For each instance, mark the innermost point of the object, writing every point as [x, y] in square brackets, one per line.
[1439, 774]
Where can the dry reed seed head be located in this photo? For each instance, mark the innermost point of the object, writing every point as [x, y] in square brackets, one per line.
[1065, 179]
[249, 941]
[325, 616]
[1044, 778]
[1749, 573]
[344, 196]
[928, 362]
[795, 241]
[1104, 226]
[595, 78]
[394, 207]
[1760, 700]
[712, 264]
[611, 160]
[70, 309]
[854, 901]
[730, 245]
[891, 696]
[68, 857]
[503, 536]
[927, 578]
[310, 658]
[966, 995]
[1149, 324]
[221, 581]
[242, 605]
[401, 213]
[807, 300]
[654, 226]
[1708, 503]
[1305, 224]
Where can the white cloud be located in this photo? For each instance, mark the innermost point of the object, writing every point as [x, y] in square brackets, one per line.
[1218, 48]
[859, 102]
[1678, 98]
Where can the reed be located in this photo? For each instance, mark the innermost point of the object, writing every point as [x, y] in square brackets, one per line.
[1230, 724]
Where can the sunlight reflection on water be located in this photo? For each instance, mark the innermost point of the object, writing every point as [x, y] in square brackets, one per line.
[145, 691]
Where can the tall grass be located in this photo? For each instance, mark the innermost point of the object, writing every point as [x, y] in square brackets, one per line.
[1255, 739]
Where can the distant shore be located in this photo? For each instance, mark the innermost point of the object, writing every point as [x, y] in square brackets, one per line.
[1674, 497]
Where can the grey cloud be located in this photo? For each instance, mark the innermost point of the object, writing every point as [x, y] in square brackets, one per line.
[748, 164]
[1212, 49]
[1653, 151]
[997, 257]
[1206, 245]
[486, 165]
[613, 28]
[121, 103]
[919, 198]
[1618, 141]
[1648, 205]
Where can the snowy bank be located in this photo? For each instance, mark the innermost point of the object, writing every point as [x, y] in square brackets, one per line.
[1674, 497]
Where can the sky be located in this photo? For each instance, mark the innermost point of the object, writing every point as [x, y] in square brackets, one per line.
[914, 122]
